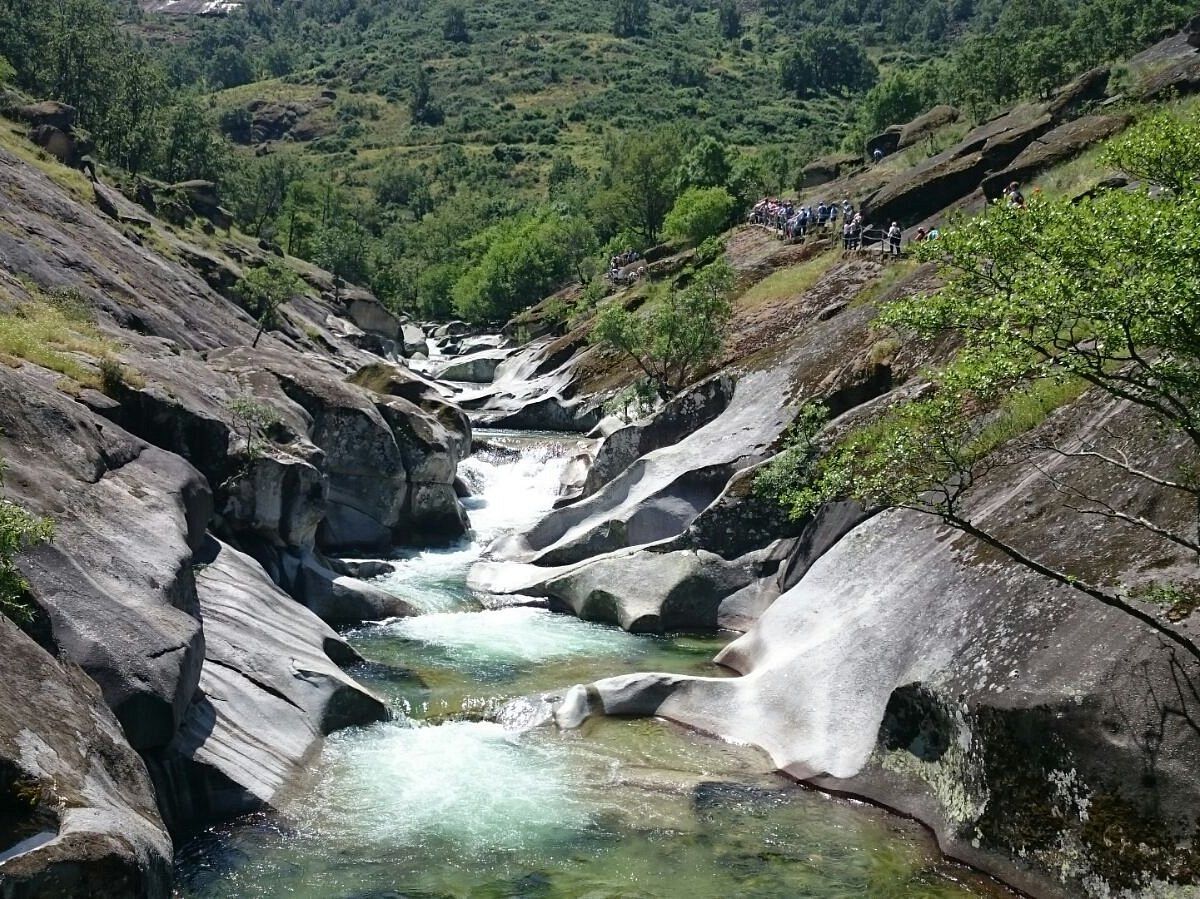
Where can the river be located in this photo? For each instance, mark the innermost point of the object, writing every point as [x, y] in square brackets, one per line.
[444, 802]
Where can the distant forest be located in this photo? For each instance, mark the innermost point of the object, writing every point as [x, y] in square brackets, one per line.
[460, 134]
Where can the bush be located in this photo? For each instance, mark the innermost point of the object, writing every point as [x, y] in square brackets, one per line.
[18, 531]
[700, 213]
[679, 337]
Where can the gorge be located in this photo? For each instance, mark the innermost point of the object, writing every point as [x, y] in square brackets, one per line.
[344, 602]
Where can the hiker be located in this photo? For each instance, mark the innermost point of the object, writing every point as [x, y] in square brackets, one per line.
[894, 234]
[822, 214]
[1013, 194]
[921, 235]
[847, 237]
[878, 155]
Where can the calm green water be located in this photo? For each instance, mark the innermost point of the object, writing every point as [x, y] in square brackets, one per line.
[445, 803]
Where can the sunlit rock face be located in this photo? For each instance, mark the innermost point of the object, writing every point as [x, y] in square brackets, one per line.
[193, 7]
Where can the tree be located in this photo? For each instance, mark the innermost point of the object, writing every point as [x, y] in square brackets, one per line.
[264, 291]
[230, 67]
[826, 59]
[681, 334]
[640, 182]
[520, 261]
[631, 17]
[897, 99]
[1103, 294]
[18, 531]
[423, 108]
[706, 164]
[192, 149]
[262, 190]
[700, 213]
[729, 20]
[454, 25]
[130, 135]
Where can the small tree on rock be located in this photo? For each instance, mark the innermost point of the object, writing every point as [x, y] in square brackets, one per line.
[700, 213]
[265, 290]
[681, 334]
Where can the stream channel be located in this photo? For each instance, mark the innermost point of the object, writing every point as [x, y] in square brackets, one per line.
[441, 802]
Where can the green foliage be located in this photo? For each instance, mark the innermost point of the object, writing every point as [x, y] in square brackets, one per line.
[7, 72]
[630, 17]
[706, 164]
[897, 99]
[423, 108]
[1161, 150]
[18, 531]
[454, 25]
[261, 190]
[679, 336]
[640, 183]
[520, 261]
[825, 59]
[252, 419]
[700, 213]
[539, 102]
[264, 290]
[729, 20]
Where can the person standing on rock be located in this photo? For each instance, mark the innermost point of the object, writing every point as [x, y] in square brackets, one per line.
[894, 235]
[878, 155]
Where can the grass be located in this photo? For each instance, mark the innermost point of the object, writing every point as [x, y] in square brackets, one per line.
[14, 141]
[786, 283]
[1072, 178]
[53, 331]
[1021, 412]
[893, 273]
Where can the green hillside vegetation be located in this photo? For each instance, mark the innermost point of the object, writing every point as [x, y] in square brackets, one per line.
[452, 129]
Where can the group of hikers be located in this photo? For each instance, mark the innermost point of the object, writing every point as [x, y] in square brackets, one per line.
[795, 222]
[618, 265]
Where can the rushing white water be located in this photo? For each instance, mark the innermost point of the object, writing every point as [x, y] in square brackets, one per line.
[469, 784]
[438, 804]
[511, 635]
[513, 489]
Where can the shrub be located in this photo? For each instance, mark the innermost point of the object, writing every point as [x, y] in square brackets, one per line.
[679, 337]
[700, 213]
[18, 531]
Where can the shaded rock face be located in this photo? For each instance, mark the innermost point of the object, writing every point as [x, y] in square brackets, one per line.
[1046, 738]
[269, 691]
[1059, 145]
[215, 681]
[121, 601]
[475, 368]
[267, 121]
[77, 812]
[943, 179]
[651, 592]
[533, 389]
[826, 169]
[927, 124]
[683, 415]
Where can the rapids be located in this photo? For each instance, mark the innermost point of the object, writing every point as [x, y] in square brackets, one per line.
[444, 802]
